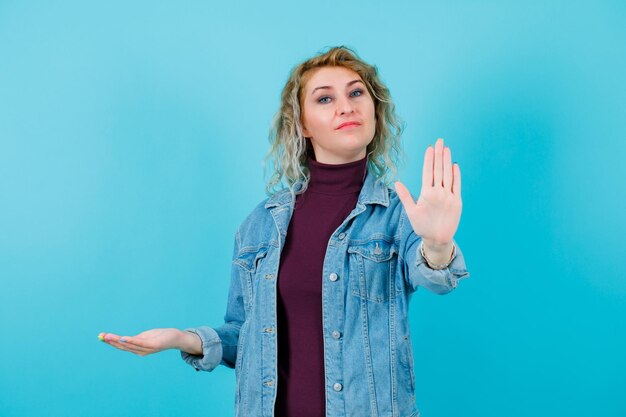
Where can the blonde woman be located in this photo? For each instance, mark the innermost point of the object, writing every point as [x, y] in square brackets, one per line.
[323, 269]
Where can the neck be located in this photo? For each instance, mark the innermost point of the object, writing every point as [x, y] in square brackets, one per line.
[337, 179]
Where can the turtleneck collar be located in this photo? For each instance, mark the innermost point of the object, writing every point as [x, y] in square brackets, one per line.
[336, 179]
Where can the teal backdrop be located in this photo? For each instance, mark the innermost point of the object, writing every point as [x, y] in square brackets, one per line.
[131, 143]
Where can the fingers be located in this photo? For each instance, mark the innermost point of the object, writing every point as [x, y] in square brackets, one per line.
[129, 344]
[137, 344]
[438, 170]
[427, 171]
[120, 346]
[114, 340]
[447, 169]
[456, 181]
[405, 196]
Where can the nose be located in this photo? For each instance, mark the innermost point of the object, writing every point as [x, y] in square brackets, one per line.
[344, 106]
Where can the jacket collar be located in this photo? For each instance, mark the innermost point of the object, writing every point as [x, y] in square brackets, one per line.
[374, 191]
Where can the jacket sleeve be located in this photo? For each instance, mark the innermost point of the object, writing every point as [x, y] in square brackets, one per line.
[219, 345]
[416, 269]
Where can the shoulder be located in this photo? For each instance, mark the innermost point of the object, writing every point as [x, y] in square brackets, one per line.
[258, 213]
[260, 219]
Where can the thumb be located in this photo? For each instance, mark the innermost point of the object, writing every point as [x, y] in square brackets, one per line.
[404, 195]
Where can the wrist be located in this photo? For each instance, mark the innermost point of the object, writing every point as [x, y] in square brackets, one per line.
[438, 256]
[190, 342]
[436, 248]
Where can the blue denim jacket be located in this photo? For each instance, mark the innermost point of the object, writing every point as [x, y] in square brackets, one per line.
[371, 267]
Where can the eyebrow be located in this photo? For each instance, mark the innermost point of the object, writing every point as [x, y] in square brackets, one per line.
[327, 86]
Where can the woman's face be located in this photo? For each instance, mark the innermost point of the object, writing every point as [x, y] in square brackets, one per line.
[338, 115]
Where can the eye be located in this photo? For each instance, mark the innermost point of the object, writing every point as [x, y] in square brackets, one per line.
[357, 93]
[322, 99]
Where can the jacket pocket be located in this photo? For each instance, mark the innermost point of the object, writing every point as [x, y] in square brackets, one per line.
[249, 258]
[372, 269]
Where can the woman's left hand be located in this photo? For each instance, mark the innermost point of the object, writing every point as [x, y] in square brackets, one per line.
[436, 214]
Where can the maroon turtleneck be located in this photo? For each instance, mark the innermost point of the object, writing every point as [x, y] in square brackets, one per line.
[331, 195]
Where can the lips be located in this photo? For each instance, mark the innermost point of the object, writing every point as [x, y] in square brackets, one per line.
[348, 124]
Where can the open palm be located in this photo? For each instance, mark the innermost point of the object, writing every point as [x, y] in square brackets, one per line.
[145, 343]
[437, 213]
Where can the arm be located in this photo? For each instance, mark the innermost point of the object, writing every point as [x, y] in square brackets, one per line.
[202, 347]
[416, 269]
[218, 345]
[433, 218]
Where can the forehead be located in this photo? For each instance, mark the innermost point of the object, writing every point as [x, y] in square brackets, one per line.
[336, 77]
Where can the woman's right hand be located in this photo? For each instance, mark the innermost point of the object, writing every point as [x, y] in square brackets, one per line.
[150, 341]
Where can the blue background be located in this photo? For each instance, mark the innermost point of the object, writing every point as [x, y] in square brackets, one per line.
[131, 144]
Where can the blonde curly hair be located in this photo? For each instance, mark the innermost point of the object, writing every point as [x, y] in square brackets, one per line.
[290, 149]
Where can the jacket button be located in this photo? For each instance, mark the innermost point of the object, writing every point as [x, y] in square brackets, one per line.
[336, 334]
[333, 277]
[337, 386]
[268, 330]
[341, 236]
[269, 383]
[269, 276]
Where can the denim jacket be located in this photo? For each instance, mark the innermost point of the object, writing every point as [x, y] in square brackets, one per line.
[371, 267]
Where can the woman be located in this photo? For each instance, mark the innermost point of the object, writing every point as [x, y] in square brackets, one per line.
[316, 322]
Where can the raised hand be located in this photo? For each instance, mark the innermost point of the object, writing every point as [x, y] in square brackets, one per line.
[437, 213]
[145, 343]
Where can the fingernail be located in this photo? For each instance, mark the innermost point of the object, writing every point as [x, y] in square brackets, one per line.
[122, 340]
[101, 337]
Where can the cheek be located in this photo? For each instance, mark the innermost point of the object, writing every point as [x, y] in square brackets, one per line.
[309, 122]
[373, 130]
[372, 114]
[318, 121]
[373, 120]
